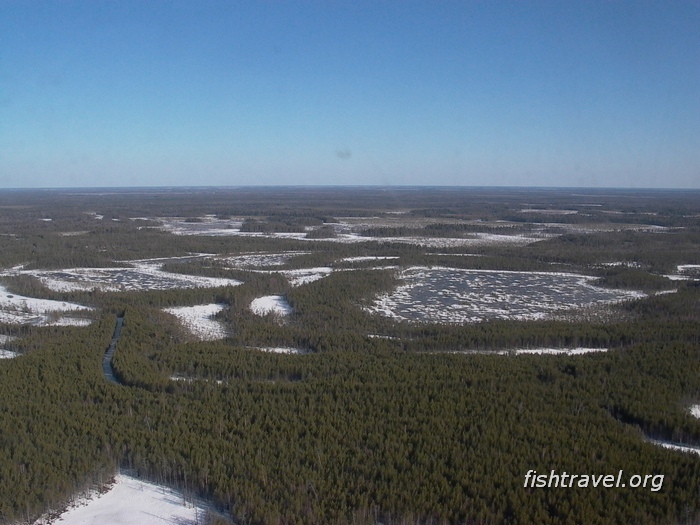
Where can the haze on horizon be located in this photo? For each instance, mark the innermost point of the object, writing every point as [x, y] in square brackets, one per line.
[217, 93]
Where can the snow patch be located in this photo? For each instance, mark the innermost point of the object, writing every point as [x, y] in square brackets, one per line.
[199, 320]
[552, 351]
[259, 259]
[131, 501]
[18, 309]
[146, 275]
[270, 304]
[279, 349]
[306, 275]
[368, 258]
[449, 295]
[695, 411]
[676, 446]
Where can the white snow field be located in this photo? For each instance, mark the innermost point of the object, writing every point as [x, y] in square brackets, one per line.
[18, 309]
[259, 259]
[145, 275]
[199, 320]
[131, 501]
[306, 275]
[675, 446]
[686, 272]
[694, 411]
[363, 258]
[270, 304]
[6, 354]
[279, 349]
[552, 351]
[347, 231]
[450, 295]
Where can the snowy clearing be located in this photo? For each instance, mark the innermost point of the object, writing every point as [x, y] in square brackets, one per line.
[676, 446]
[131, 501]
[6, 338]
[347, 231]
[18, 309]
[306, 275]
[529, 351]
[552, 351]
[279, 349]
[549, 212]
[259, 259]
[7, 354]
[686, 272]
[695, 411]
[363, 258]
[199, 320]
[145, 275]
[276, 304]
[449, 295]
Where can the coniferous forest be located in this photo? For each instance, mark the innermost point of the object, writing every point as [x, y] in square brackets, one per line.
[367, 416]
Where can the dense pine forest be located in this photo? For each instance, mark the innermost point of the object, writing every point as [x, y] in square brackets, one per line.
[374, 418]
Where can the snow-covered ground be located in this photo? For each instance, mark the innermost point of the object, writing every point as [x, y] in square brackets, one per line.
[675, 446]
[270, 304]
[694, 411]
[686, 272]
[306, 275]
[347, 231]
[131, 501]
[145, 275]
[529, 351]
[259, 260]
[363, 258]
[552, 351]
[7, 354]
[279, 349]
[6, 338]
[18, 309]
[548, 212]
[452, 295]
[199, 320]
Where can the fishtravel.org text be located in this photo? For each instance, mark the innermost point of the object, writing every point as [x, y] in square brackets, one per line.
[654, 482]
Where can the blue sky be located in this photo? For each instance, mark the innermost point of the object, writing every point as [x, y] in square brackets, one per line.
[483, 93]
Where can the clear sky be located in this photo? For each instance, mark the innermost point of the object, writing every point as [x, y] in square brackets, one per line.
[483, 93]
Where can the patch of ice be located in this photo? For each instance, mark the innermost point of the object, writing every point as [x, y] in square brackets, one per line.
[271, 304]
[198, 320]
[131, 501]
